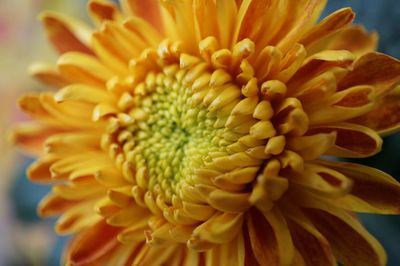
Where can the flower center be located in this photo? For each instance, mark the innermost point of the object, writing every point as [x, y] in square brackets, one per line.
[176, 136]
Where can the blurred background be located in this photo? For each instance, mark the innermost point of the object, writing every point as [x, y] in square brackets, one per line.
[27, 240]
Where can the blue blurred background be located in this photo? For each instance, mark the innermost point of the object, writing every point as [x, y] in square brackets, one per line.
[27, 240]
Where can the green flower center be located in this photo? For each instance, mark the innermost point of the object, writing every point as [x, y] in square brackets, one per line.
[176, 135]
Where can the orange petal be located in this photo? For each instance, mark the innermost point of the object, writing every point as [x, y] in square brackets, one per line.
[270, 238]
[92, 244]
[352, 141]
[246, 25]
[351, 243]
[75, 219]
[149, 10]
[378, 70]
[103, 10]
[317, 65]
[226, 15]
[53, 205]
[250, 258]
[66, 34]
[305, 14]
[31, 137]
[373, 190]
[385, 117]
[205, 18]
[329, 25]
[312, 246]
[353, 38]
[39, 171]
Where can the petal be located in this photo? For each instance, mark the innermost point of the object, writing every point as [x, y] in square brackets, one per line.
[52, 205]
[342, 106]
[313, 247]
[352, 141]
[66, 34]
[378, 70]
[81, 140]
[68, 114]
[82, 68]
[30, 137]
[353, 38]
[122, 255]
[231, 253]
[32, 105]
[311, 147]
[182, 16]
[304, 15]
[226, 15]
[270, 238]
[220, 228]
[246, 25]
[148, 10]
[101, 10]
[385, 117]
[92, 244]
[331, 24]
[107, 50]
[39, 171]
[47, 74]
[154, 255]
[318, 64]
[322, 180]
[84, 93]
[373, 190]
[205, 18]
[351, 243]
[77, 218]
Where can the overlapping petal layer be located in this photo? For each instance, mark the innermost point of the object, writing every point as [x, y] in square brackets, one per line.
[193, 132]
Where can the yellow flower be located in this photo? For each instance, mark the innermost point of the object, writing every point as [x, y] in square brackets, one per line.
[196, 133]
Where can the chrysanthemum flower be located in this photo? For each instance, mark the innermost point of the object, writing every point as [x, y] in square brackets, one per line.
[199, 132]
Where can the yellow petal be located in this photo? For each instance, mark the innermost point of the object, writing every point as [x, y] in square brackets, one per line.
[81, 68]
[312, 146]
[323, 181]
[84, 93]
[220, 228]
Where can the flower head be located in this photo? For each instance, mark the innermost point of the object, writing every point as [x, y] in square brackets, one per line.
[196, 133]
